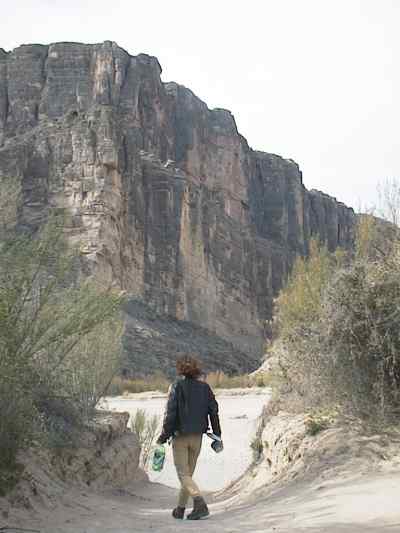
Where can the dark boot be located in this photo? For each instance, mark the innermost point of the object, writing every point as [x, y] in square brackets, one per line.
[200, 509]
[178, 512]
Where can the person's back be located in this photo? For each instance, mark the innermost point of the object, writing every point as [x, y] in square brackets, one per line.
[191, 404]
[196, 402]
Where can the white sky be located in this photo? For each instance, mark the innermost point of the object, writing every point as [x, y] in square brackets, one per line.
[314, 80]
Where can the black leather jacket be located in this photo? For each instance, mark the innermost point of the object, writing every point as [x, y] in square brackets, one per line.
[191, 403]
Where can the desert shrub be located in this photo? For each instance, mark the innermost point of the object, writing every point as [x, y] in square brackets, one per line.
[339, 330]
[319, 421]
[47, 318]
[219, 380]
[90, 367]
[156, 382]
[389, 200]
[299, 304]
[374, 238]
[367, 237]
[60, 419]
[10, 201]
[362, 336]
[257, 447]
[9, 477]
[16, 415]
[145, 428]
[264, 379]
[297, 322]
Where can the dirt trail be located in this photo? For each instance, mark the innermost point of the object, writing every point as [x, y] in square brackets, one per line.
[239, 410]
[353, 497]
[343, 505]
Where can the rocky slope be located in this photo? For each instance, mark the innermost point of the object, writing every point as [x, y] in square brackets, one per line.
[164, 195]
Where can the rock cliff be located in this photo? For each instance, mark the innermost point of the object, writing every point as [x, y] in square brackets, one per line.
[164, 195]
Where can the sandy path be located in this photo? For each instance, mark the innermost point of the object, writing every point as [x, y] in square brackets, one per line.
[352, 506]
[334, 501]
[239, 417]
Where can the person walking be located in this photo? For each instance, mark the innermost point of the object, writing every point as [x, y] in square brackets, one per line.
[191, 405]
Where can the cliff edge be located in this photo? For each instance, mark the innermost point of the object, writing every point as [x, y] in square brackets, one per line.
[164, 196]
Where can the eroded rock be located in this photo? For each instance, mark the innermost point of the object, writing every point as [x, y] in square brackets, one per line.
[165, 197]
[106, 455]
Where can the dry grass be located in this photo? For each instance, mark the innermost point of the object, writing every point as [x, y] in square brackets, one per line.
[219, 380]
[146, 428]
[158, 382]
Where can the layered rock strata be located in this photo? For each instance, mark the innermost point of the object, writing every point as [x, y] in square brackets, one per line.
[164, 196]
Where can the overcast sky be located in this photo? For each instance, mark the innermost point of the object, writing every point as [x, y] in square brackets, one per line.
[317, 81]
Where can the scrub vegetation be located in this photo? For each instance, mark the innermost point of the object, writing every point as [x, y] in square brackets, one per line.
[337, 330]
[146, 428]
[158, 382]
[59, 337]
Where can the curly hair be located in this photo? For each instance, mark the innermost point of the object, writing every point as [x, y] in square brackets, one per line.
[188, 366]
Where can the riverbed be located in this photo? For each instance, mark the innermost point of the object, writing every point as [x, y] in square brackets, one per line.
[239, 412]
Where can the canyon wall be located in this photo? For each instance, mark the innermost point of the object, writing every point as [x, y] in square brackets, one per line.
[164, 196]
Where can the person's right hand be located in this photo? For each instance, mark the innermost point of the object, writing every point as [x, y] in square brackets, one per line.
[161, 439]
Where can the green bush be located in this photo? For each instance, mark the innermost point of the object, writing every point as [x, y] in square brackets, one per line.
[58, 350]
[338, 329]
[319, 421]
[297, 321]
[145, 428]
[299, 304]
[257, 446]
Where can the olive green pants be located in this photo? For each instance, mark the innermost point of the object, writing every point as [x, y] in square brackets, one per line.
[186, 449]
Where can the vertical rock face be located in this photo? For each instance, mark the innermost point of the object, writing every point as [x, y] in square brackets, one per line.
[165, 197]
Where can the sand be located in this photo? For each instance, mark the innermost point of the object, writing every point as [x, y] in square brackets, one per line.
[336, 499]
[239, 414]
[342, 505]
